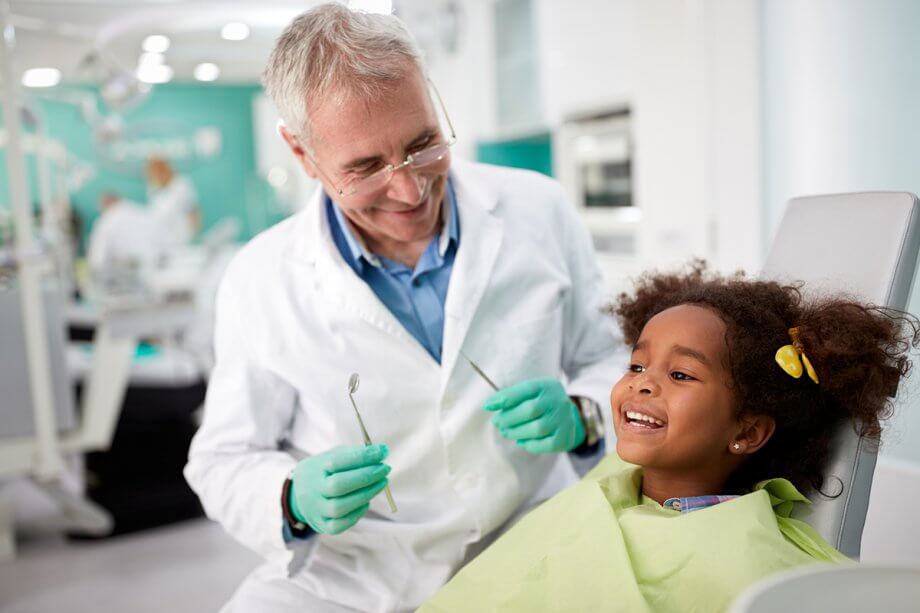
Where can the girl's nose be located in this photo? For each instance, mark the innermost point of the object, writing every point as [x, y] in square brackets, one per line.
[646, 384]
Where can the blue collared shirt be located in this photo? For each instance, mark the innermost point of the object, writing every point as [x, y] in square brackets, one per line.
[415, 296]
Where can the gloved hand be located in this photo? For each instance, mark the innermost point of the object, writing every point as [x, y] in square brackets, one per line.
[538, 416]
[332, 491]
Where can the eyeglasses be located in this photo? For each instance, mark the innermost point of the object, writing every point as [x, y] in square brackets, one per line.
[416, 161]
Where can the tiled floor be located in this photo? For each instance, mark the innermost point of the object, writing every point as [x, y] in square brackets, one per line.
[189, 567]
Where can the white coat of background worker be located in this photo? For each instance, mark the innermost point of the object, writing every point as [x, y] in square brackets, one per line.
[173, 201]
[124, 235]
[401, 261]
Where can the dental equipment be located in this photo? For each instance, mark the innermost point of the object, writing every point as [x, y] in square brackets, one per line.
[353, 382]
[478, 370]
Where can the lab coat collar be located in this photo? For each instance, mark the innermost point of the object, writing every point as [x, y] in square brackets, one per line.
[313, 238]
[361, 254]
[483, 232]
[312, 244]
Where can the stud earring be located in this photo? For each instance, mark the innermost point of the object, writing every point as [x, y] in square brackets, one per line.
[736, 446]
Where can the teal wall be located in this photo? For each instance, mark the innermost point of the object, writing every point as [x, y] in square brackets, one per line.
[534, 153]
[227, 183]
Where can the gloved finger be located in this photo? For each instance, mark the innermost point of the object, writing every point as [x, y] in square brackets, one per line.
[346, 458]
[527, 411]
[514, 395]
[336, 508]
[348, 481]
[341, 524]
[535, 429]
[547, 444]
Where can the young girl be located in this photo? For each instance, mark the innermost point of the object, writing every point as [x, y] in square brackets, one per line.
[723, 420]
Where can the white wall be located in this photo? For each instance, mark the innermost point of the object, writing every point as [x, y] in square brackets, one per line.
[586, 53]
[841, 93]
[465, 77]
[689, 70]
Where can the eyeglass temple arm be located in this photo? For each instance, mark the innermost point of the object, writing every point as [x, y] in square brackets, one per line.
[453, 133]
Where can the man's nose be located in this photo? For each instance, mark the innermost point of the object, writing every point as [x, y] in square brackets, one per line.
[406, 185]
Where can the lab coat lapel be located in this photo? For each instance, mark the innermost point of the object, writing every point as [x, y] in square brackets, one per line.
[336, 281]
[481, 233]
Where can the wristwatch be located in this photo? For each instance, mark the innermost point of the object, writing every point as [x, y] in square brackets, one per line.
[298, 528]
[593, 421]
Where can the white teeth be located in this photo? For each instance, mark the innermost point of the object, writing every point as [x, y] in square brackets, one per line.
[643, 417]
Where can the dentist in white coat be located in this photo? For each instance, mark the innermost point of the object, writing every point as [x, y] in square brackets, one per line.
[405, 259]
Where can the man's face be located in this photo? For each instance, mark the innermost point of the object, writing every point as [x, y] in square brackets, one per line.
[352, 140]
[673, 411]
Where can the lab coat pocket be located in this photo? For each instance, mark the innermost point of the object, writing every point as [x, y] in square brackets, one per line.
[532, 349]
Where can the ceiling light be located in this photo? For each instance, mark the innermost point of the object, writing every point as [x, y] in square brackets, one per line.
[155, 43]
[151, 59]
[207, 71]
[41, 77]
[235, 31]
[154, 73]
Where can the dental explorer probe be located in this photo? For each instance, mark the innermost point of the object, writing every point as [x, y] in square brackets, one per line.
[478, 370]
[353, 382]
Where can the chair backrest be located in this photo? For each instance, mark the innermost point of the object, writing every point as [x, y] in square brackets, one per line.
[841, 589]
[865, 245]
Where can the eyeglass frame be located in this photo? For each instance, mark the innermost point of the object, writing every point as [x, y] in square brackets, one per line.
[390, 169]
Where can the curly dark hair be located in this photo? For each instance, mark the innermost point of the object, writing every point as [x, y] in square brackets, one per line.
[859, 353]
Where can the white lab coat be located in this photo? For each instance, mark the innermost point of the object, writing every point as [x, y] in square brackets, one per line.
[171, 206]
[127, 233]
[294, 321]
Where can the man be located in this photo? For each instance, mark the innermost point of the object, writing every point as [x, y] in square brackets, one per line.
[404, 267]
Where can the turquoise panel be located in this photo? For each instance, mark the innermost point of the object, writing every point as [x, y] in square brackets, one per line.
[168, 120]
[533, 153]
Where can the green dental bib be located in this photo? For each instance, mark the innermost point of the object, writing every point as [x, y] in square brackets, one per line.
[601, 546]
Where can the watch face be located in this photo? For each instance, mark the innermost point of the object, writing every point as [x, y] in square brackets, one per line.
[590, 412]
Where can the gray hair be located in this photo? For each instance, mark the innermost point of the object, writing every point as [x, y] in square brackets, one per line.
[333, 52]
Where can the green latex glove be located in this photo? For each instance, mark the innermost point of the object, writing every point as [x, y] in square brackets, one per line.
[331, 491]
[538, 416]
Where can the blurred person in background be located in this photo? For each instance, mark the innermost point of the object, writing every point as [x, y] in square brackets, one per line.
[173, 201]
[126, 234]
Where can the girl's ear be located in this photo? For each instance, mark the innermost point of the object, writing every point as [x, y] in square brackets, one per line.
[754, 432]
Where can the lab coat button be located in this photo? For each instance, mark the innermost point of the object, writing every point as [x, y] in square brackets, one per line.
[469, 481]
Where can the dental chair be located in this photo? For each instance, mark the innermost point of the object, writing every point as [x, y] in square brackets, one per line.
[865, 245]
[841, 589]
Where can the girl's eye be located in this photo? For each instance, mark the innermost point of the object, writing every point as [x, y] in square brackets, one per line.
[636, 368]
[680, 376]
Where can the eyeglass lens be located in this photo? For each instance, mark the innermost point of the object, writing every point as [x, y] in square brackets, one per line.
[381, 178]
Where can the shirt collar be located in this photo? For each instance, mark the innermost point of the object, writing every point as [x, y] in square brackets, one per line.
[358, 249]
[450, 221]
[695, 503]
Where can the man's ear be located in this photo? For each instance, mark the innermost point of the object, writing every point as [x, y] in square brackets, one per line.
[753, 434]
[297, 148]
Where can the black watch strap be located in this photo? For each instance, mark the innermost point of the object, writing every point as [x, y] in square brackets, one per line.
[298, 528]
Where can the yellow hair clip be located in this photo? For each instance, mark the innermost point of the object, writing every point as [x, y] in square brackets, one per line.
[788, 356]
